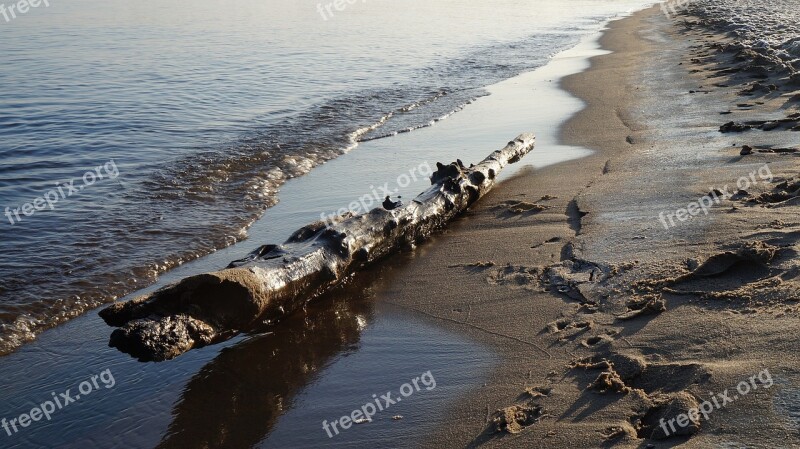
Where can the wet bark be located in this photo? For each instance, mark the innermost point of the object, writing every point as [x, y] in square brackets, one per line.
[275, 280]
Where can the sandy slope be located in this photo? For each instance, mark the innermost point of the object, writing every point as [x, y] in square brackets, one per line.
[572, 265]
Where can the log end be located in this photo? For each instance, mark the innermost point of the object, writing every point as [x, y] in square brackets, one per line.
[195, 312]
[164, 339]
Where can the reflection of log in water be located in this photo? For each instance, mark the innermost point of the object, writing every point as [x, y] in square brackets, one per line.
[276, 280]
[235, 400]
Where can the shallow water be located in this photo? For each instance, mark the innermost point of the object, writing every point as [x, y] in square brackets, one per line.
[205, 110]
[275, 389]
[267, 390]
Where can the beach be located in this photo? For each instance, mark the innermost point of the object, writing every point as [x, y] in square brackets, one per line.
[632, 282]
[612, 324]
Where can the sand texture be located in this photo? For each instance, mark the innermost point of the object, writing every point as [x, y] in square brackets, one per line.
[609, 313]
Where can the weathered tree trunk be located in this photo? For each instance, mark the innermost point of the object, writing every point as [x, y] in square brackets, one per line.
[275, 280]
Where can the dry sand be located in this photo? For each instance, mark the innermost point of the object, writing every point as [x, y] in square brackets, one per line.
[605, 321]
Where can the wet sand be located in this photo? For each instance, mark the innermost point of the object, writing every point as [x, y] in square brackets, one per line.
[606, 321]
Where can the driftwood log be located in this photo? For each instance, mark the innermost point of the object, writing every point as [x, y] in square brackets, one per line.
[275, 280]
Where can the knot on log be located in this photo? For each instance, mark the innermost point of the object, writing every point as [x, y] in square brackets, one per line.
[451, 171]
[263, 252]
[306, 232]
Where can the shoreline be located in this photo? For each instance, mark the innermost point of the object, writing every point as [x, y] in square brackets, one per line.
[168, 410]
[597, 326]
[499, 251]
[270, 226]
[223, 171]
[612, 330]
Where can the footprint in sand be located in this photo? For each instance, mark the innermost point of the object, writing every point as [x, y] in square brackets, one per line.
[661, 386]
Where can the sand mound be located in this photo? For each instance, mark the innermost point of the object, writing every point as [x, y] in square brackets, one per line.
[516, 418]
